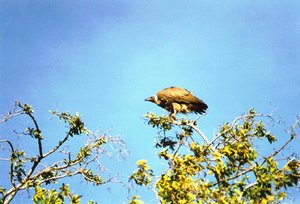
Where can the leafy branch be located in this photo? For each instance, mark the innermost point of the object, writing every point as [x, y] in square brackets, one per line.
[226, 169]
[30, 172]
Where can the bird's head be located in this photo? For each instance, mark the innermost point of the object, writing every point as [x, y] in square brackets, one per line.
[152, 99]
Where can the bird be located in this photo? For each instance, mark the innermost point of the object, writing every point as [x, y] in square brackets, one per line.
[178, 100]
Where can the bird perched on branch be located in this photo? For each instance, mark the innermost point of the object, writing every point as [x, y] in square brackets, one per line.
[178, 100]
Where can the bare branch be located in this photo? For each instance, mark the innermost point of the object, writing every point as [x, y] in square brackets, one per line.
[177, 149]
[293, 135]
[60, 143]
[280, 149]
[234, 123]
[12, 113]
[191, 124]
[235, 176]
[9, 143]
[11, 163]
[38, 130]
[247, 187]
[202, 135]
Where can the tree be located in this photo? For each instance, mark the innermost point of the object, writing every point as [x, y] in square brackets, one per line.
[30, 172]
[227, 169]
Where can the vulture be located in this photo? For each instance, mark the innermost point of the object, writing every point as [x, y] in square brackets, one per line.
[178, 100]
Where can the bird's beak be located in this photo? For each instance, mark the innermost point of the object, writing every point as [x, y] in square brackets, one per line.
[148, 99]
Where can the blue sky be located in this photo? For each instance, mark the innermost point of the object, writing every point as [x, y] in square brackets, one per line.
[103, 58]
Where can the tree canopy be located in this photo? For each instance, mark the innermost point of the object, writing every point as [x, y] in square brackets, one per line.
[228, 168]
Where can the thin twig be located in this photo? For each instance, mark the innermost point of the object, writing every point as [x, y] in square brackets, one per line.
[235, 176]
[235, 121]
[247, 187]
[12, 113]
[202, 135]
[293, 135]
[11, 163]
[60, 143]
[38, 130]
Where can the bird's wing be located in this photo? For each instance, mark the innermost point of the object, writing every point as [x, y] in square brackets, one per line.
[179, 95]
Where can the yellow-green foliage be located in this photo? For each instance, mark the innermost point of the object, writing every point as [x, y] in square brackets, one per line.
[143, 174]
[227, 170]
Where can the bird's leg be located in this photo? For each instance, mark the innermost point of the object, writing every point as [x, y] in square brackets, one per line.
[172, 114]
[172, 117]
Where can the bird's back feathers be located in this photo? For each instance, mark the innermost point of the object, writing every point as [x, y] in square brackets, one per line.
[182, 99]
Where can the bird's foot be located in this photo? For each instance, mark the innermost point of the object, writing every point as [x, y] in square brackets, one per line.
[172, 118]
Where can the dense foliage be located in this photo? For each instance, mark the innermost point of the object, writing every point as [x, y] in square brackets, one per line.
[228, 169]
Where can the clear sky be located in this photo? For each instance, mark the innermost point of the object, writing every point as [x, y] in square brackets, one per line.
[103, 58]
